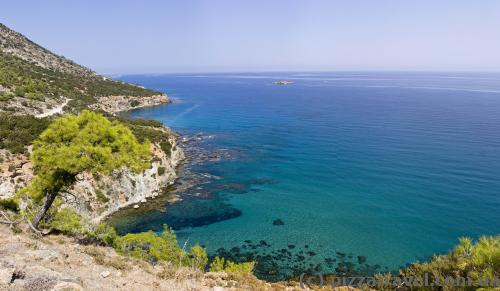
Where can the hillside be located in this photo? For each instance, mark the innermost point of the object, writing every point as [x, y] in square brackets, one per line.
[57, 262]
[34, 81]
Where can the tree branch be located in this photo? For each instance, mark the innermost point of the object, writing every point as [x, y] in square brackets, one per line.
[7, 220]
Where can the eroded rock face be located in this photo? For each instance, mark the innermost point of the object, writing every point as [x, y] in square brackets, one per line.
[115, 104]
[15, 172]
[97, 196]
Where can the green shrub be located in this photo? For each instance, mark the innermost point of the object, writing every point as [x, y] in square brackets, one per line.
[101, 197]
[4, 96]
[134, 103]
[217, 265]
[148, 130]
[9, 204]
[68, 221]
[161, 171]
[478, 261]
[198, 257]
[150, 247]
[222, 265]
[105, 233]
[20, 91]
[239, 268]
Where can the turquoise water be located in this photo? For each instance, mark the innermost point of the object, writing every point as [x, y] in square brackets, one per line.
[367, 171]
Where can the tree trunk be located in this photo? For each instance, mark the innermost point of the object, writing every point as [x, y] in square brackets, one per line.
[49, 199]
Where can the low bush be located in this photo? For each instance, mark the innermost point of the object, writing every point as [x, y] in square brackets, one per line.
[222, 265]
[198, 257]
[105, 233]
[479, 261]
[68, 221]
[134, 103]
[101, 197]
[161, 171]
[152, 248]
[9, 204]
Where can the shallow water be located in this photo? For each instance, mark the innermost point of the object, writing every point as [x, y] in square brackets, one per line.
[367, 171]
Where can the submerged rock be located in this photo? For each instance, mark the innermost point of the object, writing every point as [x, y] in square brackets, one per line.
[263, 243]
[278, 222]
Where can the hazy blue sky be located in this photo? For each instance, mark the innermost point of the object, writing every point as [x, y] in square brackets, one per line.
[236, 35]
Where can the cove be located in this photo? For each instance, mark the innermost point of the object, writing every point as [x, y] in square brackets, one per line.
[367, 172]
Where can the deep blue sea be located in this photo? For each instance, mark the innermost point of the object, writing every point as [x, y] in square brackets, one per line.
[366, 171]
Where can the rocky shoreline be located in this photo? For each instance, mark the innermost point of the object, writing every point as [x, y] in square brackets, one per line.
[188, 183]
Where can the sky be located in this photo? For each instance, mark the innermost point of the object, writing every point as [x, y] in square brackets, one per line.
[173, 36]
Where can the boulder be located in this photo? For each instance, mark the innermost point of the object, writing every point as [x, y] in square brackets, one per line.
[67, 286]
[105, 274]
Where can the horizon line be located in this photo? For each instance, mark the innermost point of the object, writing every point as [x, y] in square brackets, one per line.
[300, 71]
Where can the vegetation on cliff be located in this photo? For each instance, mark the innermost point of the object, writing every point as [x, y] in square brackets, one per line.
[24, 79]
[17, 132]
[478, 261]
[74, 144]
[33, 72]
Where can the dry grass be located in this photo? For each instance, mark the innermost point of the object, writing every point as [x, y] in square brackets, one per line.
[169, 271]
[97, 253]
[117, 262]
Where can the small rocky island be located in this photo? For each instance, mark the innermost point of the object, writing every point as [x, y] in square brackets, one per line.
[283, 82]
